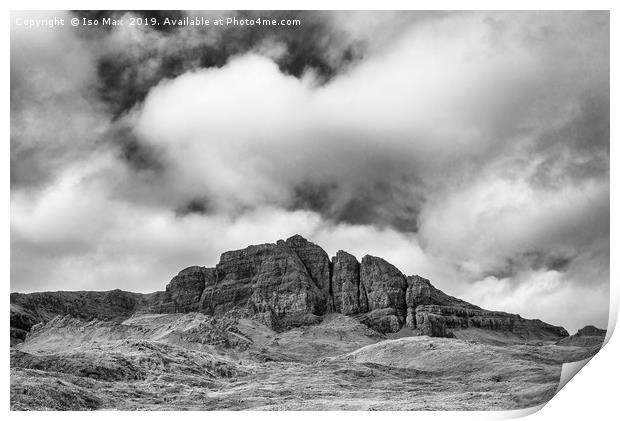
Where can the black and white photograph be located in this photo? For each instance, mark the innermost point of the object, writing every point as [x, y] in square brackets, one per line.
[306, 210]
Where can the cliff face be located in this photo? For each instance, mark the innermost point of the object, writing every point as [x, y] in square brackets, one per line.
[348, 295]
[286, 284]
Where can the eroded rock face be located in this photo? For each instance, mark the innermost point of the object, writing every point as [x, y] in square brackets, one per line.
[346, 284]
[430, 324]
[421, 292]
[316, 262]
[438, 320]
[383, 320]
[268, 278]
[418, 291]
[183, 293]
[385, 286]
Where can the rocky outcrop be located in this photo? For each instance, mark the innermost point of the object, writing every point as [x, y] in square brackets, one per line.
[21, 322]
[432, 312]
[30, 309]
[269, 280]
[347, 295]
[421, 292]
[385, 320]
[588, 336]
[441, 321]
[385, 287]
[183, 294]
[316, 262]
[286, 284]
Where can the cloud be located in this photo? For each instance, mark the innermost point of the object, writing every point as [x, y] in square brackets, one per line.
[53, 118]
[136, 58]
[425, 116]
[494, 221]
[544, 295]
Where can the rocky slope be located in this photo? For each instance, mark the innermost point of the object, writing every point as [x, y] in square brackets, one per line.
[289, 284]
[29, 309]
[585, 337]
[185, 361]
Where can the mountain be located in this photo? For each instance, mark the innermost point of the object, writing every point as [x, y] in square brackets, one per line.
[585, 337]
[290, 284]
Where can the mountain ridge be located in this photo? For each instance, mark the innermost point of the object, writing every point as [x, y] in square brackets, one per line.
[284, 285]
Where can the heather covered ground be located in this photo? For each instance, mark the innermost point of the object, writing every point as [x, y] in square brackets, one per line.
[198, 362]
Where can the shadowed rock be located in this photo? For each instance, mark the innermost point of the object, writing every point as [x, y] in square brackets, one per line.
[346, 283]
[183, 293]
[436, 320]
[268, 278]
[385, 287]
[317, 263]
[30, 309]
[420, 291]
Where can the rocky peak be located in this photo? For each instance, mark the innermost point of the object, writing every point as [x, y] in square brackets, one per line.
[317, 263]
[348, 298]
[385, 285]
[269, 281]
[290, 283]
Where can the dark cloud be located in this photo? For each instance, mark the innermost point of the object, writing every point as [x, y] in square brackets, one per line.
[198, 205]
[164, 52]
[577, 151]
[138, 155]
[382, 204]
[54, 119]
[317, 197]
[532, 260]
[391, 200]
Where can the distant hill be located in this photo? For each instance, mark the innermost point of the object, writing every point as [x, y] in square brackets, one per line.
[588, 336]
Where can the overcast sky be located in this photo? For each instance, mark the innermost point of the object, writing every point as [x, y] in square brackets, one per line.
[470, 148]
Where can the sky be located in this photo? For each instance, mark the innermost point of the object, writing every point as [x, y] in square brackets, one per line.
[471, 148]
